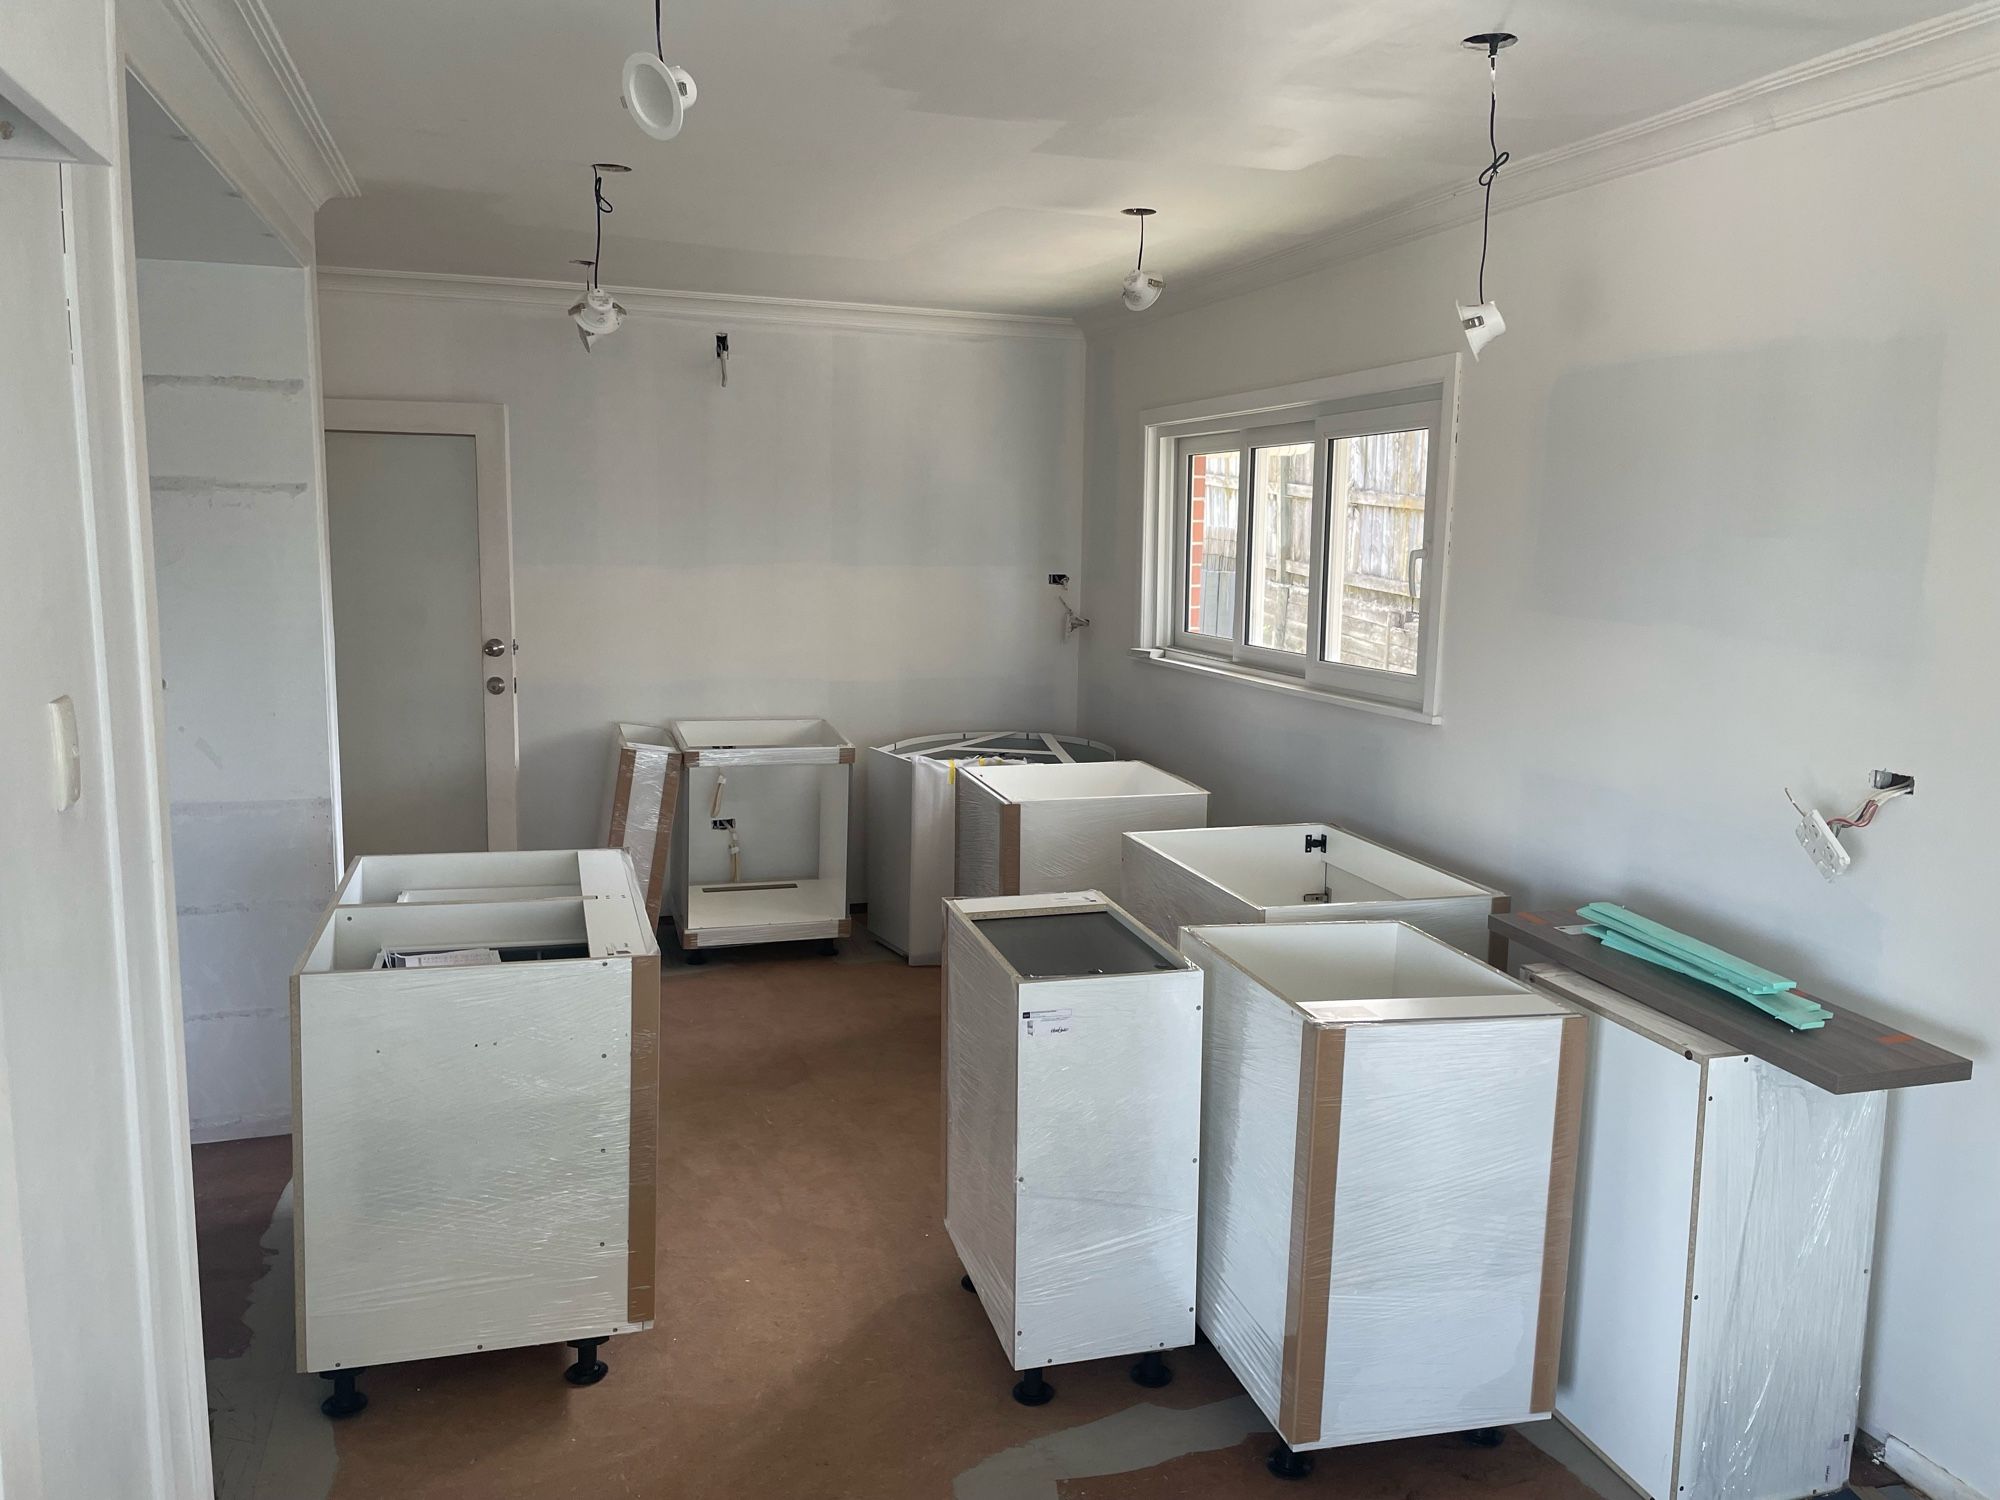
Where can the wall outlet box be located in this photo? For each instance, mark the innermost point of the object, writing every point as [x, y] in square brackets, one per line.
[1825, 850]
[722, 825]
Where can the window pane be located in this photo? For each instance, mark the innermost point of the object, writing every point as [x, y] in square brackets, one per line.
[1211, 543]
[1379, 482]
[1281, 547]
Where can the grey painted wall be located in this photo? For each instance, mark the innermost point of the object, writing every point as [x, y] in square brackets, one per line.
[239, 555]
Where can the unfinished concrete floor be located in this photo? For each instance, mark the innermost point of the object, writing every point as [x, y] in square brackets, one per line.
[813, 1340]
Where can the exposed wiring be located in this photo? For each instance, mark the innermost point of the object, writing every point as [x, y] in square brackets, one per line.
[1492, 169]
[603, 208]
[1863, 815]
[659, 42]
[1142, 244]
[715, 802]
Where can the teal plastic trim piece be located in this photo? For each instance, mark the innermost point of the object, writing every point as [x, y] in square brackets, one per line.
[1794, 1009]
[1730, 971]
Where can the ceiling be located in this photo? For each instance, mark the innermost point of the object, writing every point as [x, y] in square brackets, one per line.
[182, 207]
[969, 155]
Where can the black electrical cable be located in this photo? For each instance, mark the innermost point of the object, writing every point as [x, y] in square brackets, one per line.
[1492, 171]
[659, 42]
[603, 208]
[1142, 244]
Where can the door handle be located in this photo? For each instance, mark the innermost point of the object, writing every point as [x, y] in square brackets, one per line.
[496, 685]
[495, 647]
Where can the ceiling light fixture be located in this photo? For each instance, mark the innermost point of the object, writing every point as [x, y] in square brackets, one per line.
[657, 93]
[1482, 322]
[1142, 287]
[595, 313]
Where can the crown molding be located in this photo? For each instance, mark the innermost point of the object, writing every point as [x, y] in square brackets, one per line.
[326, 169]
[221, 69]
[1947, 49]
[703, 307]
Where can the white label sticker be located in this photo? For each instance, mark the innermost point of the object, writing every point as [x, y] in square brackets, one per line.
[1045, 1022]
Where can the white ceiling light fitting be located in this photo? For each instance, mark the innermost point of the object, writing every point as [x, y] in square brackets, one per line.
[595, 313]
[1482, 322]
[1142, 287]
[657, 93]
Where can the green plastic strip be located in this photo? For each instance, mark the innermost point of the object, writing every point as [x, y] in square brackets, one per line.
[1794, 1009]
[1730, 971]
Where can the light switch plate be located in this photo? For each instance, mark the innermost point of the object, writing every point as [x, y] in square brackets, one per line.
[65, 762]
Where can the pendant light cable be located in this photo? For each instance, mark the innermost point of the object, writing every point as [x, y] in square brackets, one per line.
[603, 208]
[1500, 159]
[1142, 244]
[659, 41]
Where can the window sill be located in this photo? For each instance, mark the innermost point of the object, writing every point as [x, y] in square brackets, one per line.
[1274, 682]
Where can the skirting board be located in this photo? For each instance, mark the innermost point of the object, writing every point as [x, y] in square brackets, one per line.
[241, 1130]
[1922, 1473]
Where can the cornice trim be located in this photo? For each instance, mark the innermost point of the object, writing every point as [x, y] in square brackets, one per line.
[1931, 54]
[704, 307]
[241, 45]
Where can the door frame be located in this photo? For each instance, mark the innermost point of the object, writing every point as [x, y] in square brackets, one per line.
[486, 424]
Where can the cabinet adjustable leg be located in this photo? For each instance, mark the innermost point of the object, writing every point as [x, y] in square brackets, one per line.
[694, 956]
[345, 1401]
[1032, 1390]
[1486, 1437]
[966, 1282]
[1152, 1371]
[588, 1369]
[1286, 1464]
[829, 949]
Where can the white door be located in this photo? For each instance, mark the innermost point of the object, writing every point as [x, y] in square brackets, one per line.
[422, 626]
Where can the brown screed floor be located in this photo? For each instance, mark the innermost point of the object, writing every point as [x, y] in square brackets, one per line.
[813, 1341]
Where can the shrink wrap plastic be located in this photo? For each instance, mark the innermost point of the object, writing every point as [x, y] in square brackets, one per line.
[1072, 1145]
[1386, 1189]
[645, 792]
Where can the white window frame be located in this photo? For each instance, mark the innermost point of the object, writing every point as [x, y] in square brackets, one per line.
[1420, 393]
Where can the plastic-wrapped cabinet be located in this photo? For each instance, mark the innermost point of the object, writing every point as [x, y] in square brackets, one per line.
[911, 840]
[1029, 829]
[1725, 1227]
[644, 797]
[475, 1064]
[1389, 1130]
[1072, 1077]
[761, 855]
[1298, 872]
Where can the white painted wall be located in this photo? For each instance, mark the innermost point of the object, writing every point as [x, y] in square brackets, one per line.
[239, 553]
[1725, 523]
[99, 1321]
[858, 528]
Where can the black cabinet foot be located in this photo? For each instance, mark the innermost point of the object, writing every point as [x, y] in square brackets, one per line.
[1152, 1371]
[1032, 1390]
[1486, 1437]
[345, 1401]
[1286, 1464]
[694, 956]
[829, 949]
[588, 1369]
[966, 1282]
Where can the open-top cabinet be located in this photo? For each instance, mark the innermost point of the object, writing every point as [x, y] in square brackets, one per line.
[761, 855]
[475, 1071]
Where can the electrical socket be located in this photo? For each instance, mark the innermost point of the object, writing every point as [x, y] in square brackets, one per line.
[1058, 580]
[722, 825]
[1822, 847]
